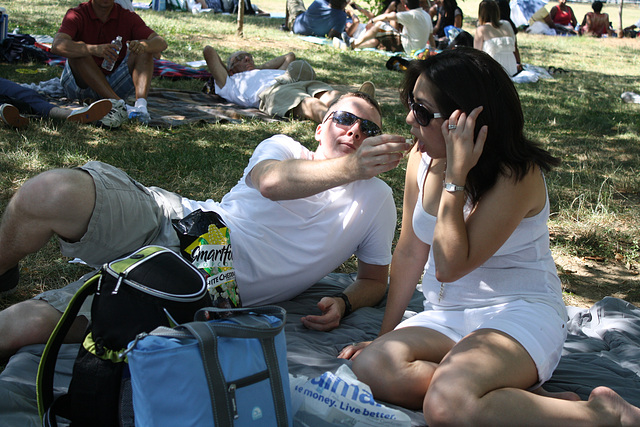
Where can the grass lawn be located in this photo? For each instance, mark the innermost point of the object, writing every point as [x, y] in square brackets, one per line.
[578, 116]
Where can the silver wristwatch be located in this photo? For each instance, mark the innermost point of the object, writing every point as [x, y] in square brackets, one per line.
[451, 187]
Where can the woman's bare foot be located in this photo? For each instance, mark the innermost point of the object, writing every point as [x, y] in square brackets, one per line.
[609, 401]
[564, 395]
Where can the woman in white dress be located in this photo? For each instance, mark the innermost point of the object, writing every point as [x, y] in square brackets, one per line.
[496, 37]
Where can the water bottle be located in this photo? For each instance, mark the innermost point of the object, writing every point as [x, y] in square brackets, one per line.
[4, 23]
[108, 64]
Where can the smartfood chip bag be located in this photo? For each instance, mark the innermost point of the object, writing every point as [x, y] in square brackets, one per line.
[205, 242]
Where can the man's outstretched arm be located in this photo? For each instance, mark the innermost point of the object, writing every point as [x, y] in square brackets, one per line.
[366, 291]
[296, 178]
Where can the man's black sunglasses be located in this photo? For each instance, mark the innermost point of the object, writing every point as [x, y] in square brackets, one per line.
[368, 127]
[420, 112]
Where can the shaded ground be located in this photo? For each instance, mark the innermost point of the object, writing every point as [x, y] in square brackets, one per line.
[589, 279]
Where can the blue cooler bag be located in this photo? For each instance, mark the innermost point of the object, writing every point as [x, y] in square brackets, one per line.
[225, 372]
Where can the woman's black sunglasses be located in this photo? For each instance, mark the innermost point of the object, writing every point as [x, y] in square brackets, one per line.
[345, 118]
[420, 112]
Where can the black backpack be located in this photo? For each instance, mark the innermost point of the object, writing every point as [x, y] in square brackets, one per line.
[151, 287]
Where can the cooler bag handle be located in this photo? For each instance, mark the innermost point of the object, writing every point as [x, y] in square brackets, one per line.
[247, 322]
[248, 326]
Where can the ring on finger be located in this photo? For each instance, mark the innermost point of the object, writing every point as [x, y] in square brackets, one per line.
[452, 126]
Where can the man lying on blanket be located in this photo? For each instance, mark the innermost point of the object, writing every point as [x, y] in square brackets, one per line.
[293, 217]
[281, 87]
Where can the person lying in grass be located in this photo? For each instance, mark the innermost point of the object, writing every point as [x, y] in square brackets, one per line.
[281, 87]
[17, 99]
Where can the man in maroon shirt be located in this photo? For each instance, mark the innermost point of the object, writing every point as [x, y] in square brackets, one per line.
[85, 39]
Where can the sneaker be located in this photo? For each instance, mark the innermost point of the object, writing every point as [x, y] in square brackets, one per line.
[368, 88]
[116, 116]
[91, 113]
[339, 44]
[9, 281]
[11, 116]
[630, 98]
[139, 113]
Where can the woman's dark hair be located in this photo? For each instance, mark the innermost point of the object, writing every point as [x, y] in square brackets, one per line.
[338, 4]
[465, 78]
[449, 7]
[489, 13]
[596, 6]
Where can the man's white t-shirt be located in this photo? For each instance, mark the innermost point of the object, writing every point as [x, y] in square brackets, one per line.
[417, 27]
[282, 248]
[243, 88]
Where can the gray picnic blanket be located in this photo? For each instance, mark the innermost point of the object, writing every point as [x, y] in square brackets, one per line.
[603, 348]
[171, 107]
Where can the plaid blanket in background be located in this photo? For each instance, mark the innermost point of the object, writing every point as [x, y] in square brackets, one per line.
[168, 69]
[170, 107]
[161, 68]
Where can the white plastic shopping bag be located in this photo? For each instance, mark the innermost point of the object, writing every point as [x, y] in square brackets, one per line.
[339, 399]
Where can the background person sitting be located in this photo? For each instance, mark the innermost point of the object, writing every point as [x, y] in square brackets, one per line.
[631, 30]
[496, 37]
[447, 14]
[541, 23]
[354, 26]
[324, 18]
[85, 39]
[563, 18]
[416, 30]
[596, 23]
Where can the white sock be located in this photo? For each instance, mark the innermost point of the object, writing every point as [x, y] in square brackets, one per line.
[141, 103]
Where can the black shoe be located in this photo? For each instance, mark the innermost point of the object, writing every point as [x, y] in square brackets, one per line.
[9, 281]
[397, 63]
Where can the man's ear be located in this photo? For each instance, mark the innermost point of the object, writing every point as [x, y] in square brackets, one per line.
[318, 132]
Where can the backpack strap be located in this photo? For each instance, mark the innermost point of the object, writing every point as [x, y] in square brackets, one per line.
[46, 368]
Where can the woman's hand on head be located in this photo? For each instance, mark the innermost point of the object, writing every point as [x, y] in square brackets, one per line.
[463, 146]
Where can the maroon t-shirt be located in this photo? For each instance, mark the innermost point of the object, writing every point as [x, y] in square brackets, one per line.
[82, 24]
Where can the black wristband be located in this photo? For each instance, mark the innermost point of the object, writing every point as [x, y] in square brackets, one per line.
[347, 303]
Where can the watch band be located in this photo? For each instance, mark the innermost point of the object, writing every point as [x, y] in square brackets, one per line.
[451, 187]
[347, 303]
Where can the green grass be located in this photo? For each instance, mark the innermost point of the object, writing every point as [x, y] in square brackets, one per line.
[578, 116]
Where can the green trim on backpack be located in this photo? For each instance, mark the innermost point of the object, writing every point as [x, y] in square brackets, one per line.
[115, 356]
[46, 368]
[134, 294]
[122, 265]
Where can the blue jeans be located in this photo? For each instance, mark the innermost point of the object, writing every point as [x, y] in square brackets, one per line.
[25, 99]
